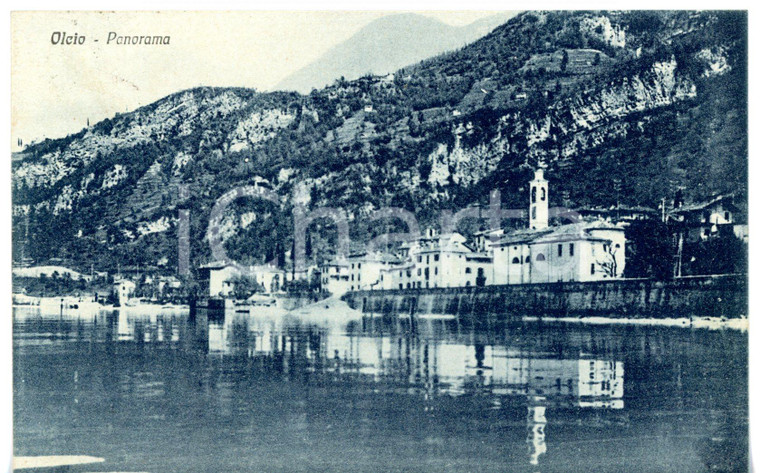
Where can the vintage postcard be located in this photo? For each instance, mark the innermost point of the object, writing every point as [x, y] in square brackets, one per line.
[380, 241]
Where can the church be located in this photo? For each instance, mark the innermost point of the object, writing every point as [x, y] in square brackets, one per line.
[581, 251]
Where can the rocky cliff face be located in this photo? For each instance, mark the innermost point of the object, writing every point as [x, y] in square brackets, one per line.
[621, 106]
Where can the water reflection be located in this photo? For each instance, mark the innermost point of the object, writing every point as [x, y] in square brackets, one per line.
[431, 395]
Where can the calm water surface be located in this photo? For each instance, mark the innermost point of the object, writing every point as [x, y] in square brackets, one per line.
[169, 392]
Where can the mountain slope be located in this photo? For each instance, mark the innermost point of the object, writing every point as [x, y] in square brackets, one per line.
[385, 45]
[622, 106]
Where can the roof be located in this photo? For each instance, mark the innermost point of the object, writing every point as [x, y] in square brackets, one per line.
[37, 271]
[253, 268]
[572, 231]
[376, 257]
[700, 206]
[215, 265]
[621, 208]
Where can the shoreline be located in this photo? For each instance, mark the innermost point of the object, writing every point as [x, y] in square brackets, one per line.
[341, 311]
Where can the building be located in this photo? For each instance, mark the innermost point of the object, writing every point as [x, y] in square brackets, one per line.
[619, 213]
[707, 219]
[442, 261]
[366, 271]
[334, 277]
[123, 290]
[583, 251]
[217, 279]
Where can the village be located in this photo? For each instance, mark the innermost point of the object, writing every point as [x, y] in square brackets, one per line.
[591, 247]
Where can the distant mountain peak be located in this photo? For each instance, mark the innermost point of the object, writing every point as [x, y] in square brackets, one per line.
[387, 44]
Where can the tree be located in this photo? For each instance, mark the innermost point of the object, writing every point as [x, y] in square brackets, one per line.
[608, 262]
[563, 64]
[245, 286]
[724, 254]
[649, 252]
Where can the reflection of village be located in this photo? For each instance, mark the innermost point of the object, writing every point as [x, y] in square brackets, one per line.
[430, 363]
[539, 384]
[432, 366]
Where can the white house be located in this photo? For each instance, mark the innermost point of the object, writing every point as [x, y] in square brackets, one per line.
[218, 278]
[334, 276]
[123, 290]
[366, 270]
[442, 261]
[583, 251]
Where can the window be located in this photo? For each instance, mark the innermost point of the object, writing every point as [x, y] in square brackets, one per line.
[540, 257]
[533, 213]
[727, 216]
[427, 259]
[543, 193]
[559, 250]
[436, 270]
[515, 260]
[401, 285]
[592, 268]
[533, 195]
[436, 257]
[527, 259]
[352, 277]
[467, 270]
[419, 271]
[571, 249]
[359, 266]
[419, 259]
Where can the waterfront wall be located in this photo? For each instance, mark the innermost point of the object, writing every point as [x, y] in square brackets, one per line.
[714, 296]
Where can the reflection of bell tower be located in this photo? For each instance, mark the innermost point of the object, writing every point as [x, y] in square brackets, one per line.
[539, 200]
[536, 427]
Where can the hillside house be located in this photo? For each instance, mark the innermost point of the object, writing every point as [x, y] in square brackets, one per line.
[619, 213]
[707, 219]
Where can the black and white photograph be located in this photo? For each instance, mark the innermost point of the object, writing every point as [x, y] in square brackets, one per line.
[379, 241]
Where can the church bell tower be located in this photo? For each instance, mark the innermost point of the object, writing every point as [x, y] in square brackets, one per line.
[539, 201]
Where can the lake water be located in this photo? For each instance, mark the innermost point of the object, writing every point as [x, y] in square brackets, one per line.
[169, 392]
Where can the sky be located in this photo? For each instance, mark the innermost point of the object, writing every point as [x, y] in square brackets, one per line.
[56, 88]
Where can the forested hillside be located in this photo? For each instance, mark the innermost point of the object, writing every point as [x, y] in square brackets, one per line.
[622, 106]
